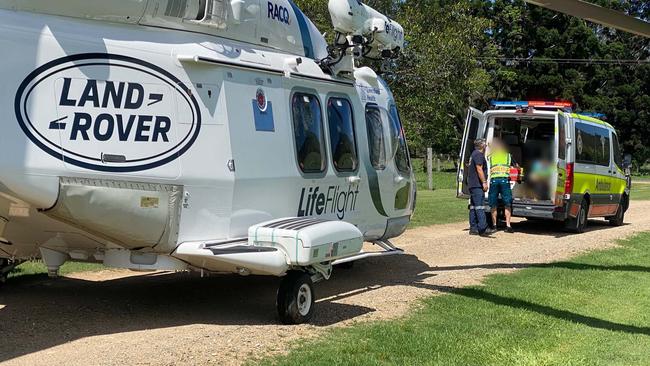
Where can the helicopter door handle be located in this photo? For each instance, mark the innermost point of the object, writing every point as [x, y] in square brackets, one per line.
[354, 180]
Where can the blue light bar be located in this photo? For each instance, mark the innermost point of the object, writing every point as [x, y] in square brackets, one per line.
[509, 103]
[536, 104]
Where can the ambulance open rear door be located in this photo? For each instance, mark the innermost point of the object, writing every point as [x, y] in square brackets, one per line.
[475, 127]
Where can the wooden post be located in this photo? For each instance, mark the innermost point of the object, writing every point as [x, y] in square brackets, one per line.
[438, 164]
[430, 168]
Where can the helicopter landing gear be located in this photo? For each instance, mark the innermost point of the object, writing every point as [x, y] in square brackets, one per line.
[296, 298]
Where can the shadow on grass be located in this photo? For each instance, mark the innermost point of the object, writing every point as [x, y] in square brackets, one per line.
[27, 279]
[479, 294]
[565, 265]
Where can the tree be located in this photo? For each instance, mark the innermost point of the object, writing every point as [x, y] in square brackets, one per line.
[466, 52]
[437, 77]
[540, 53]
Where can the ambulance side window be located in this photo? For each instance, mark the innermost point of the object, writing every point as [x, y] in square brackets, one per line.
[585, 143]
[592, 144]
[376, 143]
[602, 147]
[342, 135]
[308, 132]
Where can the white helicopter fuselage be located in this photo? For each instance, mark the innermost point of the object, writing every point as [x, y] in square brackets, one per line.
[126, 139]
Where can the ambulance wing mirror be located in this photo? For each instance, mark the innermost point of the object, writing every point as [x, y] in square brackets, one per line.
[627, 161]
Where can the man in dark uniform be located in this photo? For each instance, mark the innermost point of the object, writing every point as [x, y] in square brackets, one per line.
[478, 185]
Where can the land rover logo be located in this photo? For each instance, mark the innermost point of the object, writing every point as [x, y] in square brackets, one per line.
[108, 112]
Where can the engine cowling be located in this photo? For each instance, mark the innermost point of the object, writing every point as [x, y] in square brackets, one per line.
[352, 17]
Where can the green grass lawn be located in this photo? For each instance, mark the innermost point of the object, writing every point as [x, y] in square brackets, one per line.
[445, 179]
[38, 269]
[640, 191]
[439, 206]
[593, 310]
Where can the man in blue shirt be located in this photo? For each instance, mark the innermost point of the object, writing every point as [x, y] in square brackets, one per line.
[478, 185]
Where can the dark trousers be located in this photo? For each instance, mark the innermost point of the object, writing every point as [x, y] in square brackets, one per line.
[477, 220]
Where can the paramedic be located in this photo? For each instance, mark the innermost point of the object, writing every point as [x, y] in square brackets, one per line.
[500, 163]
[478, 185]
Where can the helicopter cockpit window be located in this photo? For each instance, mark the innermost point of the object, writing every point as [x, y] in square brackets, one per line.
[342, 136]
[400, 150]
[308, 132]
[376, 142]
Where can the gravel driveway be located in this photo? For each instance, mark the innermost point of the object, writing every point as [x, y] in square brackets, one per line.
[122, 317]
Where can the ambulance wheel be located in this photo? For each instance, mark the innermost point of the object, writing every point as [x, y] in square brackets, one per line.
[296, 298]
[619, 218]
[579, 223]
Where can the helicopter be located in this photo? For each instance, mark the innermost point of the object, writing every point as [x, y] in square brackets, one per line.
[217, 136]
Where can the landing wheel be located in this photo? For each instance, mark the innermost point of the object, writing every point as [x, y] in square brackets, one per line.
[619, 218]
[296, 298]
[579, 223]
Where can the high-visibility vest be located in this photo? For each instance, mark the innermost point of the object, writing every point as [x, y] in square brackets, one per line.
[500, 162]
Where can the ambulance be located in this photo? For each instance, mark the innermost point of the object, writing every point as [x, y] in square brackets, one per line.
[567, 167]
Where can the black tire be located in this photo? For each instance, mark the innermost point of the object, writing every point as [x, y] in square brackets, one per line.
[579, 224]
[619, 218]
[296, 298]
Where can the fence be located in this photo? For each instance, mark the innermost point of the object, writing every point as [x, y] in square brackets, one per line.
[433, 163]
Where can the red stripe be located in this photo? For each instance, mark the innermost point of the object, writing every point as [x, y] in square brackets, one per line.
[603, 210]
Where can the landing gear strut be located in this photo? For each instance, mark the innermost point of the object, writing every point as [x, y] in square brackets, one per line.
[296, 298]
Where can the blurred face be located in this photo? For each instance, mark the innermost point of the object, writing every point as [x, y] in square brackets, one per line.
[480, 147]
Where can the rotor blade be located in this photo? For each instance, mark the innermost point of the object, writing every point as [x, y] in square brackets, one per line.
[597, 14]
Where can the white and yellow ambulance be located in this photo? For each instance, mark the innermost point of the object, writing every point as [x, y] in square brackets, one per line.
[572, 168]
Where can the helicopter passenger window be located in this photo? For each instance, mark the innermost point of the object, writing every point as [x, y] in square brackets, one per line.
[308, 132]
[399, 142]
[342, 136]
[376, 137]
